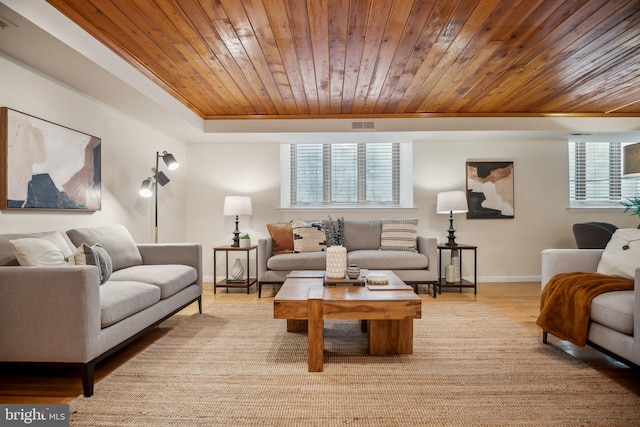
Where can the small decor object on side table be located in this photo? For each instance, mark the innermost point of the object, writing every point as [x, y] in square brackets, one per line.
[237, 271]
[245, 241]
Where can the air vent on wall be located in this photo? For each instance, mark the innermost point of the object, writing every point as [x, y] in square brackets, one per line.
[363, 125]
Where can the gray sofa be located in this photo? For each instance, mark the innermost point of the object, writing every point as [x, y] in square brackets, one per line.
[63, 314]
[614, 326]
[362, 241]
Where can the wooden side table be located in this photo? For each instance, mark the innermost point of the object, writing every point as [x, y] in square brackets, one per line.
[231, 283]
[463, 283]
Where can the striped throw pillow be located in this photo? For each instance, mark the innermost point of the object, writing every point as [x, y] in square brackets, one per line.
[399, 235]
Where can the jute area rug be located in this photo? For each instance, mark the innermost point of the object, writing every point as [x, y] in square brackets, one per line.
[472, 366]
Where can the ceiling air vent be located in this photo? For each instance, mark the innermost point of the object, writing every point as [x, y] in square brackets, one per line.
[363, 125]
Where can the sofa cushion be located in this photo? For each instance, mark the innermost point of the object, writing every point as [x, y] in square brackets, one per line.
[49, 249]
[308, 236]
[388, 260]
[282, 238]
[169, 278]
[95, 255]
[305, 261]
[362, 235]
[614, 310]
[621, 256]
[115, 239]
[399, 235]
[119, 300]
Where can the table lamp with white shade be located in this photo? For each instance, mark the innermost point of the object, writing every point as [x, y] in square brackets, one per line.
[237, 205]
[451, 202]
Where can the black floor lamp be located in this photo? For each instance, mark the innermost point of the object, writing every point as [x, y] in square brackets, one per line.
[149, 186]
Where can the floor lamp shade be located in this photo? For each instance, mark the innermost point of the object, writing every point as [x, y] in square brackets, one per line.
[149, 186]
[631, 160]
[452, 202]
[237, 205]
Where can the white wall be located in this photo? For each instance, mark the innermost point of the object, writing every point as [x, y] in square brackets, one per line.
[508, 249]
[128, 154]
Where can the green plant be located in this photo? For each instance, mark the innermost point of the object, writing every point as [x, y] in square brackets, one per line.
[633, 205]
[245, 236]
[335, 231]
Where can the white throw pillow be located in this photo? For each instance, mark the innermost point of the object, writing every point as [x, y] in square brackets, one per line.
[399, 235]
[308, 237]
[49, 249]
[621, 256]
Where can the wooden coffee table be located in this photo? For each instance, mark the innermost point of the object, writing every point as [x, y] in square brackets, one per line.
[386, 312]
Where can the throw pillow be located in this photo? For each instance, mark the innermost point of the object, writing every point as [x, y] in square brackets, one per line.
[116, 239]
[399, 235]
[621, 256]
[49, 249]
[95, 255]
[308, 237]
[282, 237]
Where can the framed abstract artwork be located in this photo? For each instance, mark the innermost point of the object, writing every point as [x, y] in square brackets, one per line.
[47, 166]
[490, 189]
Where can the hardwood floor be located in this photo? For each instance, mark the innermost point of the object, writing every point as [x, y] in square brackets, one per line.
[519, 301]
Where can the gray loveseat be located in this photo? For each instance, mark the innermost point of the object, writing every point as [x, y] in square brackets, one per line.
[62, 314]
[362, 239]
[614, 326]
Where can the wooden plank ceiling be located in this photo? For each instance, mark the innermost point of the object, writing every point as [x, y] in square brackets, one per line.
[378, 58]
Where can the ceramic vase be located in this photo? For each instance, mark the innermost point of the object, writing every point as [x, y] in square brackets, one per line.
[237, 271]
[353, 271]
[455, 261]
[245, 243]
[336, 262]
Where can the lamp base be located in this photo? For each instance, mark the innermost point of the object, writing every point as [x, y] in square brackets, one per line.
[236, 236]
[451, 239]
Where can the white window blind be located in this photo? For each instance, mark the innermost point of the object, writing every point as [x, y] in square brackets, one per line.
[595, 175]
[346, 174]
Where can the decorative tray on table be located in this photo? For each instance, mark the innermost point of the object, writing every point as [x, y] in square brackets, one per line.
[345, 281]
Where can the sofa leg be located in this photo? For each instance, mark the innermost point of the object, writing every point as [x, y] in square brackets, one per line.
[200, 305]
[544, 337]
[88, 376]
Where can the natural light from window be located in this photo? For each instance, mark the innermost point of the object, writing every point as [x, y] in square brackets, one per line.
[346, 175]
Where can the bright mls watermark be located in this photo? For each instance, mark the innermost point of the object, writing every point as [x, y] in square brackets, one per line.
[34, 415]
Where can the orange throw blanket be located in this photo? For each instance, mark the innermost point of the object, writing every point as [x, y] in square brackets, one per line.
[565, 303]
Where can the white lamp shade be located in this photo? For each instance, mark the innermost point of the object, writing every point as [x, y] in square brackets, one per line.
[452, 201]
[631, 160]
[237, 205]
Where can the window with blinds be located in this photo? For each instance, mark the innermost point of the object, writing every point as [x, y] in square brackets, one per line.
[595, 175]
[344, 174]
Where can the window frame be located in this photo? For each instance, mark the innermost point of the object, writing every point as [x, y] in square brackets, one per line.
[404, 179]
[580, 169]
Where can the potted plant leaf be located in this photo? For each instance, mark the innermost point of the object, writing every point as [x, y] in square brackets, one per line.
[632, 205]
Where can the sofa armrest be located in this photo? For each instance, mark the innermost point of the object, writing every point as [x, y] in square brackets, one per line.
[429, 247]
[49, 314]
[636, 312]
[173, 253]
[265, 247]
[556, 261]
